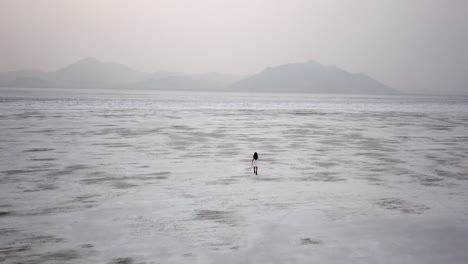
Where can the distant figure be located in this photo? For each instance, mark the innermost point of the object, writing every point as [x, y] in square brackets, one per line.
[255, 163]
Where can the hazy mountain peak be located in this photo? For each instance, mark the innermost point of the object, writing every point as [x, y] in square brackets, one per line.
[88, 60]
[313, 63]
[91, 72]
[94, 63]
[311, 76]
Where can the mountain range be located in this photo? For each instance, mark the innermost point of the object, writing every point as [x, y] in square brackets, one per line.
[309, 76]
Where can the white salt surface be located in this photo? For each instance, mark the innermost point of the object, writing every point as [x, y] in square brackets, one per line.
[165, 177]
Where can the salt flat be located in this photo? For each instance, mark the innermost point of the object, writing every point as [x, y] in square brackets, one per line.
[164, 177]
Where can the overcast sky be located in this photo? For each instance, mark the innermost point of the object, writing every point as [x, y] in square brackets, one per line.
[409, 45]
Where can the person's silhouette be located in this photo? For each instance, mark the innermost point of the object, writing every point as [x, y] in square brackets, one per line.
[255, 163]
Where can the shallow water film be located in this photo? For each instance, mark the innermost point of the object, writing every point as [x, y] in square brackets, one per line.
[165, 177]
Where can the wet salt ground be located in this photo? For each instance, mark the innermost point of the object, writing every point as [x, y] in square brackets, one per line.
[155, 177]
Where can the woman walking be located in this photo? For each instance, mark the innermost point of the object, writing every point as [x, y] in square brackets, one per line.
[255, 162]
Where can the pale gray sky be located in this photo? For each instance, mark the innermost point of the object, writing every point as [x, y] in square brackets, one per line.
[411, 45]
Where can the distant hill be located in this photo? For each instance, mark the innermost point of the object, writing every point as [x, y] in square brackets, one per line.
[92, 73]
[180, 83]
[299, 77]
[311, 77]
[220, 78]
[24, 79]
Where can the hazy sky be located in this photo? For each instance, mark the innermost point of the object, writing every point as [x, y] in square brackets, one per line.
[407, 44]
